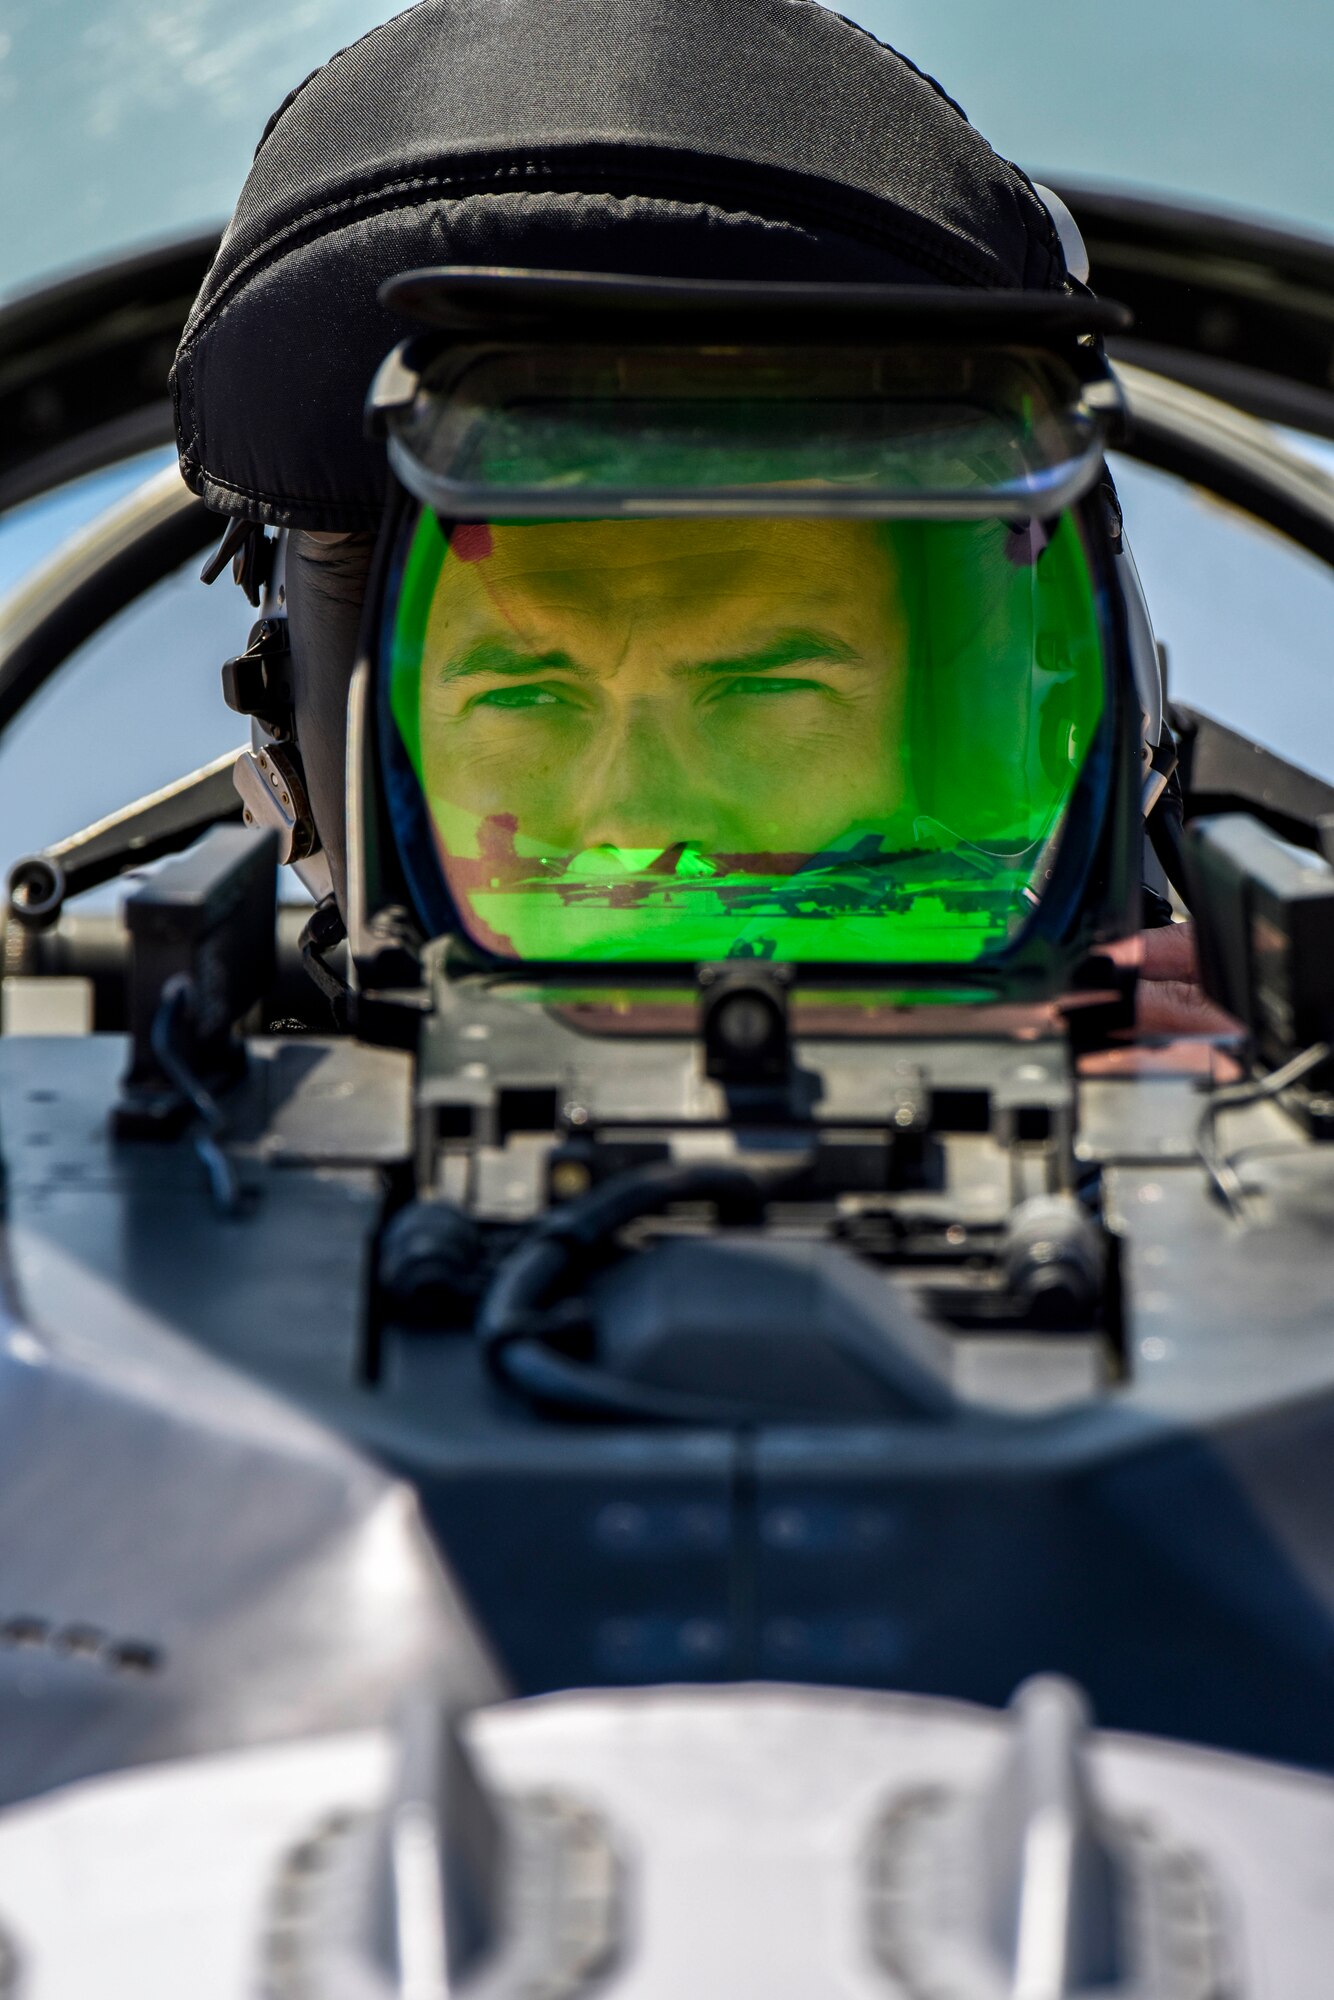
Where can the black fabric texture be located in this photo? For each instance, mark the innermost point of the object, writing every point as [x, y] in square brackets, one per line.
[693, 138]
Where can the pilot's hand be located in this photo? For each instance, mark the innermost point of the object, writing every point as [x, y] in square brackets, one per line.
[1171, 1000]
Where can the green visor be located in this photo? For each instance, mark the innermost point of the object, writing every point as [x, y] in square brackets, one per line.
[806, 739]
[710, 652]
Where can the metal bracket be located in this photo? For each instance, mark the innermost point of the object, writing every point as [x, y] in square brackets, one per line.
[272, 788]
[205, 920]
[743, 1023]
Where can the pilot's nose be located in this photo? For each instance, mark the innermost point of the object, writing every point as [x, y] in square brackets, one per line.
[639, 793]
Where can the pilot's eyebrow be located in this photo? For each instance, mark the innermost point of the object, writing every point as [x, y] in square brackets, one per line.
[497, 656]
[789, 649]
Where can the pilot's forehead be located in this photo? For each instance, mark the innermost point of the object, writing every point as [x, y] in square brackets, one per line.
[628, 555]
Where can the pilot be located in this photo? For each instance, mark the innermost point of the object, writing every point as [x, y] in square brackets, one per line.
[618, 687]
[599, 694]
[731, 701]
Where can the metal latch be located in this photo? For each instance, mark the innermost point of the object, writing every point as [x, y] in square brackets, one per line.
[273, 794]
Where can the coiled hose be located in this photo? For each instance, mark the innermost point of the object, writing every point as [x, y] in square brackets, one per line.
[529, 1308]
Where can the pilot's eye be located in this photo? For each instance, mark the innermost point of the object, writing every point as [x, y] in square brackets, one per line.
[529, 694]
[766, 684]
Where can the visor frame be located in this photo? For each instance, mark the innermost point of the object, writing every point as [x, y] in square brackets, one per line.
[504, 302]
[1092, 895]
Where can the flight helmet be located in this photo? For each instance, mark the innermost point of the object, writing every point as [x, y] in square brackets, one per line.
[758, 193]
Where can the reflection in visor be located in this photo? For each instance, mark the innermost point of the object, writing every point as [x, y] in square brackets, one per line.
[806, 740]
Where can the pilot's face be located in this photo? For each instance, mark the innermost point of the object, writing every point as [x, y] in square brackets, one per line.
[636, 684]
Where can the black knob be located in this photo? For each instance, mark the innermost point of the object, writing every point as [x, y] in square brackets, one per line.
[431, 1258]
[36, 892]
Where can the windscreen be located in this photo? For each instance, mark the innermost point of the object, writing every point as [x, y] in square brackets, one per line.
[810, 739]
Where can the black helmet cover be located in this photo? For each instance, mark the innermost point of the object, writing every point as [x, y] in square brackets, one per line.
[761, 139]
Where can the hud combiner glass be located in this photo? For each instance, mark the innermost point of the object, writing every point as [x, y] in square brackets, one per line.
[729, 650]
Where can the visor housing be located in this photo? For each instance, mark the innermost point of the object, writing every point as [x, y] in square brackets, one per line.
[884, 432]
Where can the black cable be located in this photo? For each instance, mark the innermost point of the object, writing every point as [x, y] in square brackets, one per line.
[1218, 1167]
[527, 1314]
[174, 1010]
[567, 1388]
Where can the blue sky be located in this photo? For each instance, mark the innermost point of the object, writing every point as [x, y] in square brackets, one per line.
[123, 121]
[1225, 100]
